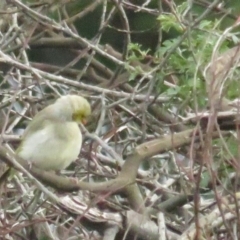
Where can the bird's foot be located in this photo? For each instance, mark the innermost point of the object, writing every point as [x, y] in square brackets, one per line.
[74, 180]
[29, 165]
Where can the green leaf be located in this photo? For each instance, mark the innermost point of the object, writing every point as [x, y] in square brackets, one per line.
[169, 21]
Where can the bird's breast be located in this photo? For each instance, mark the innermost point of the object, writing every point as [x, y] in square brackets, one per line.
[53, 147]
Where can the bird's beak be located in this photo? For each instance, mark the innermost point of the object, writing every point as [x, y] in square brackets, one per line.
[84, 121]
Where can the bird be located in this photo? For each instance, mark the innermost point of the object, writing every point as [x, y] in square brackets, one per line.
[52, 139]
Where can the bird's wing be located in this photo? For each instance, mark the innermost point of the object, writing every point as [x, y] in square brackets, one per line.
[41, 120]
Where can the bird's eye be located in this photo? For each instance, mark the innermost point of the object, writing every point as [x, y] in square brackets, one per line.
[77, 117]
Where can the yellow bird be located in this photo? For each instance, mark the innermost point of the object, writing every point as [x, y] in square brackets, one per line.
[53, 140]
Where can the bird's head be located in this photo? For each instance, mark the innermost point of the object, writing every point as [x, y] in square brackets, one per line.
[77, 108]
